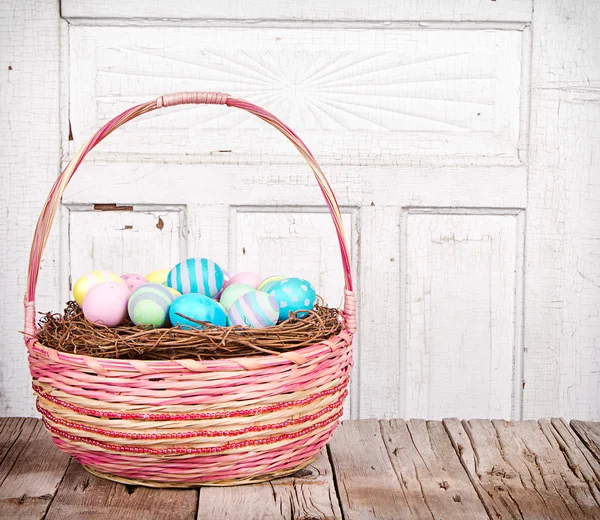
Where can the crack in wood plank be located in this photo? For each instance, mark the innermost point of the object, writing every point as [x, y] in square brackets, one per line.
[556, 479]
[428, 466]
[307, 494]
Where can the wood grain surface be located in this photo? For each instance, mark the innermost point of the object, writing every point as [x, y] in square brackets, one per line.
[388, 469]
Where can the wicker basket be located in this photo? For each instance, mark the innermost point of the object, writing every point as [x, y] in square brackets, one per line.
[186, 423]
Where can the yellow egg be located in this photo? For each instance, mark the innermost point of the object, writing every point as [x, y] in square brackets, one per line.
[87, 281]
[159, 276]
[267, 283]
[174, 292]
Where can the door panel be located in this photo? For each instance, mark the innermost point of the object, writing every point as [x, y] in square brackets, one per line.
[462, 290]
[137, 241]
[354, 95]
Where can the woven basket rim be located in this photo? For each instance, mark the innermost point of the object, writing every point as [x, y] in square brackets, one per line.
[344, 338]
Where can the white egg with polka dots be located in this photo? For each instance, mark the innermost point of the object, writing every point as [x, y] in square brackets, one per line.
[293, 294]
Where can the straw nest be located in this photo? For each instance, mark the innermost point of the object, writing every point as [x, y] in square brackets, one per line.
[71, 332]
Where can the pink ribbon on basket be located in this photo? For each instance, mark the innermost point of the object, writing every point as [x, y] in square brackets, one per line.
[349, 312]
[30, 328]
[195, 98]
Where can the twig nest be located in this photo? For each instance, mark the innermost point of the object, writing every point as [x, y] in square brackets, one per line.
[72, 332]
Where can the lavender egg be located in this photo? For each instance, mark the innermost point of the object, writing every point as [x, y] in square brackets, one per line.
[254, 309]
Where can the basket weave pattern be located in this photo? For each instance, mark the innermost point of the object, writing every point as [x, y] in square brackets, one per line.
[188, 422]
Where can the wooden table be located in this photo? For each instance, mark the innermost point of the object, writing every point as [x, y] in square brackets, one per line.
[395, 469]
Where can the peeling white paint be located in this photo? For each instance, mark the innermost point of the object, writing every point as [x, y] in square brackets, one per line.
[460, 138]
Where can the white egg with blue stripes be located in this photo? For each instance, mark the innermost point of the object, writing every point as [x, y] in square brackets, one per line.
[197, 275]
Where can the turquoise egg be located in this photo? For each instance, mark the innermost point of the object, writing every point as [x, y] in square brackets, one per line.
[196, 275]
[293, 294]
[149, 304]
[254, 309]
[197, 307]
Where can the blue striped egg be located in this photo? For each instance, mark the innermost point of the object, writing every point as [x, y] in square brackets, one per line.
[293, 294]
[149, 304]
[199, 308]
[254, 309]
[196, 275]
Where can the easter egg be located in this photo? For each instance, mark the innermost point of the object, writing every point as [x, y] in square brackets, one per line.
[254, 309]
[233, 292]
[106, 303]
[226, 278]
[269, 282]
[149, 304]
[293, 294]
[175, 293]
[252, 279]
[87, 281]
[133, 281]
[198, 307]
[159, 276]
[196, 275]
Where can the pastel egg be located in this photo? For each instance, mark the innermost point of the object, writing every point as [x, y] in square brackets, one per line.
[293, 294]
[232, 292]
[87, 281]
[196, 275]
[133, 281]
[252, 279]
[197, 307]
[254, 309]
[226, 278]
[175, 293]
[269, 282]
[149, 304]
[159, 276]
[106, 303]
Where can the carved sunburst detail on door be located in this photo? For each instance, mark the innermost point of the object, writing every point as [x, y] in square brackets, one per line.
[355, 90]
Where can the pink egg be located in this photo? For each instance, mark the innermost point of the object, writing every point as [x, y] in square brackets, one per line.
[106, 303]
[251, 279]
[133, 281]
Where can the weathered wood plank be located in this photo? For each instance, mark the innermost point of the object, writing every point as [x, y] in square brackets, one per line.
[589, 433]
[578, 467]
[432, 478]
[112, 11]
[310, 493]
[521, 472]
[82, 495]
[10, 429]
[30, 485]
[14, 434]
[561, 322]
[367, 484]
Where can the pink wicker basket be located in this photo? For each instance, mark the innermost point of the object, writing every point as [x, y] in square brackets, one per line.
[186, 423]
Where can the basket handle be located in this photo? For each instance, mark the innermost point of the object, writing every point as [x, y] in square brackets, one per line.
[46, 218]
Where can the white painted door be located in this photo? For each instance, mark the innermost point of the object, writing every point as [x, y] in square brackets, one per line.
[419, 113]
[418, 129]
